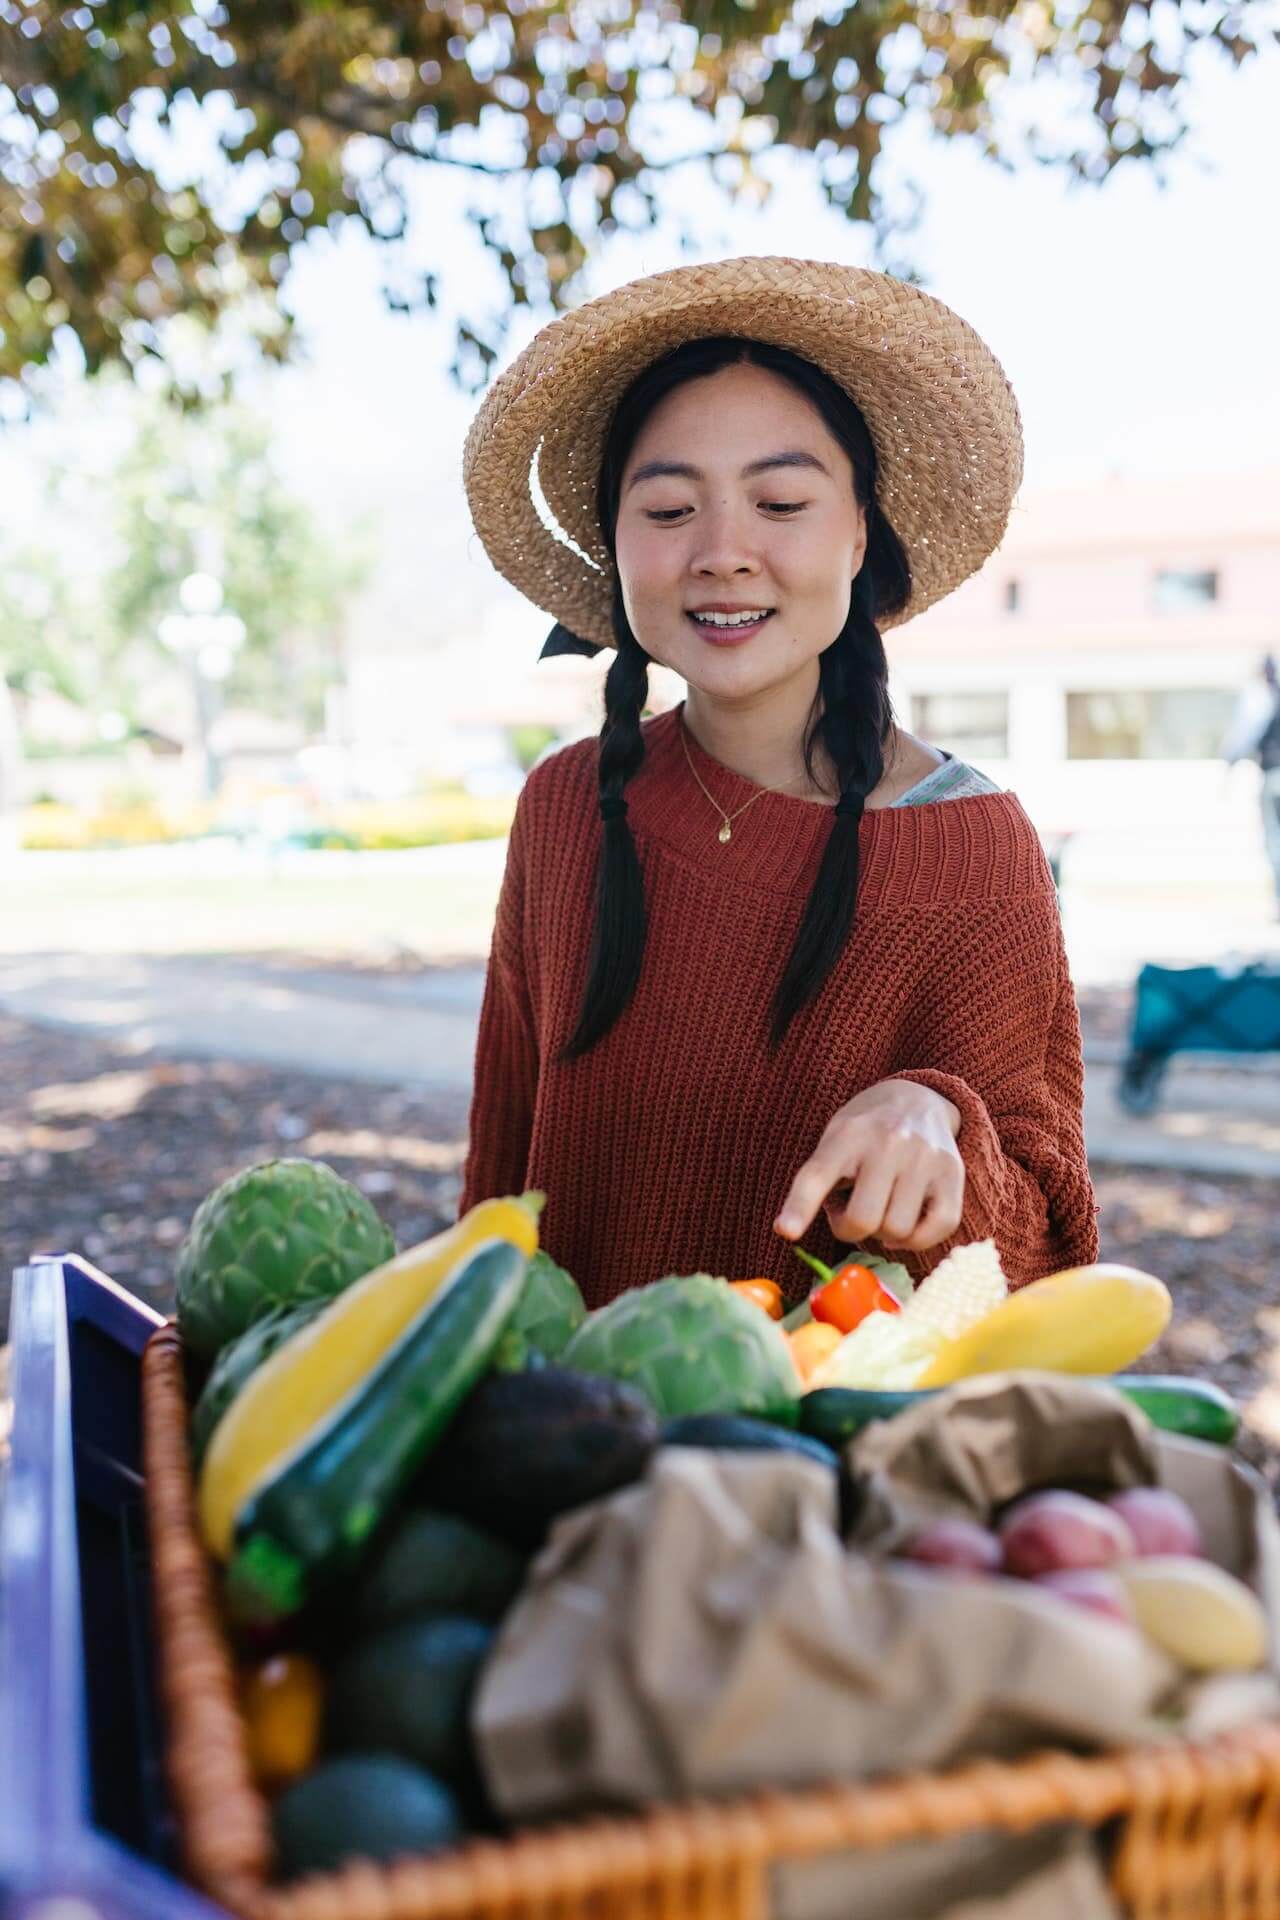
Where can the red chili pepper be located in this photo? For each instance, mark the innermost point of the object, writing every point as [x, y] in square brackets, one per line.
[848, 1294]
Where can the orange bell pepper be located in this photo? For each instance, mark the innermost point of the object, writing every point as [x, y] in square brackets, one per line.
[766, 1294]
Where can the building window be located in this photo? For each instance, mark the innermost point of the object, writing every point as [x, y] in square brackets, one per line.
[1011, 596]
[1181, 592]
[1166, 723]
[975, 726]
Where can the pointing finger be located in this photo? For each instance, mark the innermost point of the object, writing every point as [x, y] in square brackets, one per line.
[823, 1170]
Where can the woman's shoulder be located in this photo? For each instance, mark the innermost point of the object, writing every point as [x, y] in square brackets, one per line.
[981, 850]
[569, 770]
[950, 779]
[564, 763]
[557, 806]
[987, 841]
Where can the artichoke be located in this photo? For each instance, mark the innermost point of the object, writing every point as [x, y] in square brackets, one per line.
[550, 1309]
[238, 1360]
[692, 1345]
[278, 1234]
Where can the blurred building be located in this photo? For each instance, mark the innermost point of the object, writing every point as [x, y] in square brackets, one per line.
[1094, 663]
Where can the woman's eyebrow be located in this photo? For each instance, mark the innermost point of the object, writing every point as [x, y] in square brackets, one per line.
[681, 469]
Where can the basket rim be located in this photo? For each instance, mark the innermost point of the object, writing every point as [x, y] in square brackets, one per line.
[224, 1818]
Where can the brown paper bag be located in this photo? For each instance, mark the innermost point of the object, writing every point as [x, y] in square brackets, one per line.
[708, 1631]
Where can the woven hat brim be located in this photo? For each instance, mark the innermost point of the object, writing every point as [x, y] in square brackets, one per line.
[937, 402]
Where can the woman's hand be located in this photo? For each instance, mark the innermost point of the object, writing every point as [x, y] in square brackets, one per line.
[887, 1168]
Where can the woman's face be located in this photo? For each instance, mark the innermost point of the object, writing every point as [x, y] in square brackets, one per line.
[736, 496]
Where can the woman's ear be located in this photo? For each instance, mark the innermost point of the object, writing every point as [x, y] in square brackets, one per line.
[860, 542]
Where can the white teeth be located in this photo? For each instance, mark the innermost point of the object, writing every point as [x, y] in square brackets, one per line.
[731, 619]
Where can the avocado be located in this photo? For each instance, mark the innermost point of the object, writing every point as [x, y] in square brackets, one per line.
[407, 1690]
[526, 1447]
[738, 1431]
[438, 1562]
[370, 1805]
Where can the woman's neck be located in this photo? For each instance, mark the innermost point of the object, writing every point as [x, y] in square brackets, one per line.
[765, 744]
[763, 739]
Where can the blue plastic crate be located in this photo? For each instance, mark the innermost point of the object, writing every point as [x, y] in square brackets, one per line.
[83, 1809]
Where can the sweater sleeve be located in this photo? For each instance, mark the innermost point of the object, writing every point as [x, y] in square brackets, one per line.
[997, 1032]
[506, 1061]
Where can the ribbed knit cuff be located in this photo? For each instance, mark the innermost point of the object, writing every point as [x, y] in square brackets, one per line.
[980, 1149]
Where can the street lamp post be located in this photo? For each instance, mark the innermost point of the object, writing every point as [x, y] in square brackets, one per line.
[208, 638]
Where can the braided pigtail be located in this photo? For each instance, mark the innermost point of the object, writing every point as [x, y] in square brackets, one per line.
[618, 933]
[853, 727]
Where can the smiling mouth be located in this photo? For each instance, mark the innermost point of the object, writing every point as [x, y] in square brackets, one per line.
[729, 636]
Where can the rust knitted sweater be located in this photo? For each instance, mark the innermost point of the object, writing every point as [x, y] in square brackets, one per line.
[670, 1147]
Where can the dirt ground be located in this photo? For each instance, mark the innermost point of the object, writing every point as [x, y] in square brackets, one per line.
[106, 1152]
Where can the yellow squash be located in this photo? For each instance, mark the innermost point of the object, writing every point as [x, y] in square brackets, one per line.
[306, 1381]
[1087, 1320]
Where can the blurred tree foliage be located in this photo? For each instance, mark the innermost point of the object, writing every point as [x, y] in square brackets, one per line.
[180, 493]
[116, 214]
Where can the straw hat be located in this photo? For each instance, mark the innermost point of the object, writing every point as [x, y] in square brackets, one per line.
[938, 405]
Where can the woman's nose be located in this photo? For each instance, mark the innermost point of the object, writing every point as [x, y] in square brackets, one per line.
[725, 544]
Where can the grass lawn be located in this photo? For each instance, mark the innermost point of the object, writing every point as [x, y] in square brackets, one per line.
[325, 903]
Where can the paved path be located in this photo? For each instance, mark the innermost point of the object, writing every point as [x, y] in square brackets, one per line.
[419, 1029]
[401, 1029]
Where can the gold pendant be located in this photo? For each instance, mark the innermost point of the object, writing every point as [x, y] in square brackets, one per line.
[726, 834]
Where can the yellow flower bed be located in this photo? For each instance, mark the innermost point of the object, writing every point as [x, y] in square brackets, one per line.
[50, 828]
[424, 820]
[427, 820]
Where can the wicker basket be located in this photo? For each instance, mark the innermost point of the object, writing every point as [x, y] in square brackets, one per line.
[1201, 1824]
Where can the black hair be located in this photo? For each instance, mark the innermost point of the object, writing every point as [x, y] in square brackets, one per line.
[851, 720]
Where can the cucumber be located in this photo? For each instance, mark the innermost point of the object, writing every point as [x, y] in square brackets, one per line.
[835, 1415]
[1195, 1408]
[1176, 1405]
[311, 1521]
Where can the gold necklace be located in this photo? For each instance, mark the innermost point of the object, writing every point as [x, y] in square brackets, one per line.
[726, 832]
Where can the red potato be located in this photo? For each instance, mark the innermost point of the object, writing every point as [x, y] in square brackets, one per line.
[1091, 1587]
[1160, 1522]
[960, 1546]
[1054, 1532]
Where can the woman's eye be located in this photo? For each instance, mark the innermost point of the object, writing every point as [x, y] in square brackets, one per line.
[776, 507]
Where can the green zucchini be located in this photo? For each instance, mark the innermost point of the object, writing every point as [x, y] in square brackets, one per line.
[310, 1522]
[835, 1415]
[1195, 1408]
[1177, 1405]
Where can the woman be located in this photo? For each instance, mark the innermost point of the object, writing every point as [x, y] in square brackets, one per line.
[766, 967]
